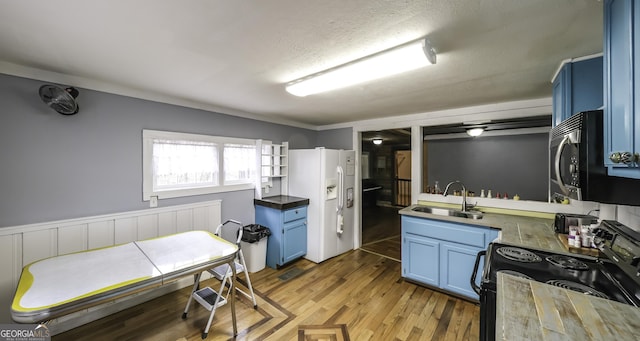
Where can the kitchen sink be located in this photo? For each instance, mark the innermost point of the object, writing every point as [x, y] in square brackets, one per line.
[448, 212]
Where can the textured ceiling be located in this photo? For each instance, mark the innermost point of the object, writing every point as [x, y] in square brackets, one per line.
[235, 56]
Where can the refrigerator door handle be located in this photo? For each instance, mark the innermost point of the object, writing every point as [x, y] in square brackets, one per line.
[340, 205]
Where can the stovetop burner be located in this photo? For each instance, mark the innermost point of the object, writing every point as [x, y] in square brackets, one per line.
[516, 274]
[597, 276]
[518, 255]
[567, 262]
[581, 288]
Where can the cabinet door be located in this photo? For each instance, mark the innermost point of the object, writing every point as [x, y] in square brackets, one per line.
[456, 267]
[619, 119]
[294, 240]
[562, 95]
[586, 85]
[420, 259]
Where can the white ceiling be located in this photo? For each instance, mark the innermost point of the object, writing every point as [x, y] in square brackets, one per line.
[235, 56]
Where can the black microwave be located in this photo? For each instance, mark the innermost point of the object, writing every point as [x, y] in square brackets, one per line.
[576, 164]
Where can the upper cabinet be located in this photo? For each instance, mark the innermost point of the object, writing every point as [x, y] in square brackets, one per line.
[577, 86]
[621, 71]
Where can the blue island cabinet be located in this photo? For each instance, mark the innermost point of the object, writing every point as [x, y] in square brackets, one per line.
[288, 240]
[442, 253]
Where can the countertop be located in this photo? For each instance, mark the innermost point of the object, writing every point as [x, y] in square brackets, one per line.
[281, 202]
[530, 310]
[530, 232]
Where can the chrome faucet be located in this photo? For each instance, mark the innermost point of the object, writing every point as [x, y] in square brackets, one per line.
[464, 193]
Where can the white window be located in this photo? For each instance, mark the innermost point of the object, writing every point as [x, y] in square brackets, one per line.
[239, 163]
[179, 164]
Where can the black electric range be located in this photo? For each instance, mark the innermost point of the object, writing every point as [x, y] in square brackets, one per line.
[615, 277]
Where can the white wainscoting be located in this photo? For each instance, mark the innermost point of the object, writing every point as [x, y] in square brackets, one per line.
[21, 245]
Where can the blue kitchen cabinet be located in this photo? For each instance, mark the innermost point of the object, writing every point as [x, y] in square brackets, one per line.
[442, 253]
[457, 265]
[420, 259]
[621, 98]
[577, 87]
[562, 95]
[288, 226]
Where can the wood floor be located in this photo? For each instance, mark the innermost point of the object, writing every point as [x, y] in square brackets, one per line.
[358, 293]
[381, 231]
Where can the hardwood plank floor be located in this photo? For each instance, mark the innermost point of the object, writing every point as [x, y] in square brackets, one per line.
[381, 231]
[389, 247]
[379, 222]
[360, 290]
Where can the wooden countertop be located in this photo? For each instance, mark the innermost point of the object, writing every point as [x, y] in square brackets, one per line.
[530, 310]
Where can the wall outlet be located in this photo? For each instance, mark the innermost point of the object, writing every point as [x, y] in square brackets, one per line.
[153, 201]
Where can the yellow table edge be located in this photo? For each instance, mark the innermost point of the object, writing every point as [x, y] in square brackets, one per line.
[24, 285]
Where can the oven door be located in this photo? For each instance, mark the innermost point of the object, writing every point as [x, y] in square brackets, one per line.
[487, 298]
[564, 175]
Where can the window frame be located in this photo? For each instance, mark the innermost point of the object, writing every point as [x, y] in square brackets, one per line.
[148, 136]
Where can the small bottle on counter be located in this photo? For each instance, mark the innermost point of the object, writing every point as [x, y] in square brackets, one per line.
[482, 193]
[586, 236]
[574, 236]
[436, 188]
[489, 194]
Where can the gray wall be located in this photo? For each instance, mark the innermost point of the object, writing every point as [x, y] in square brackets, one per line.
[59, 167]
[515, 164]
[336, 138]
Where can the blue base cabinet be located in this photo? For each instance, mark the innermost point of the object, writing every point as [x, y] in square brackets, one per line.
[288, 240]
[457, 266]
[621, 96]
[420, 257]
[577, 87]
[441, 253]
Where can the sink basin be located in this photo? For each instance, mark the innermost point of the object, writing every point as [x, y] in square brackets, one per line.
[448, 212]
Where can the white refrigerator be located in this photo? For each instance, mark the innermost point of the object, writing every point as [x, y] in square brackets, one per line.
[327, 178]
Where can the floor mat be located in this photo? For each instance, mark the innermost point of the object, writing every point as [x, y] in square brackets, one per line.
[337, 332]
[291, 273]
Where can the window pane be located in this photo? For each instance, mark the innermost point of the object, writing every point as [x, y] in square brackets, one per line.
[239, 163]
[184, 164]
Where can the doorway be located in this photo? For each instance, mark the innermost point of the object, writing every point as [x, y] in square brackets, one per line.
[386, 188]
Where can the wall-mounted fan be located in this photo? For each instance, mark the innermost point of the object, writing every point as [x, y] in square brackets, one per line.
[62, 100]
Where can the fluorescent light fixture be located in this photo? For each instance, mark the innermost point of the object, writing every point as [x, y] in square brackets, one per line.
[475, 132]
[377, 141]
[406, 57]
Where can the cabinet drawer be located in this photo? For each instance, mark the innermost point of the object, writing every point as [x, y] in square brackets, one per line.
[295, 214]
[457, 233]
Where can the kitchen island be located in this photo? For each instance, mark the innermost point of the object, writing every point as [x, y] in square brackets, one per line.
[530, 310]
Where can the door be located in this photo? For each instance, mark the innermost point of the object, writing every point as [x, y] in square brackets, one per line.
[306, 180]
[347, 163]
[421, 259]
[620, 121]
[402, 177]
[294, 240]
[457, 263]
[329, 165]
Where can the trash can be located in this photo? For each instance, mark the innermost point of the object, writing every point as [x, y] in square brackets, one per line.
[254, 246]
